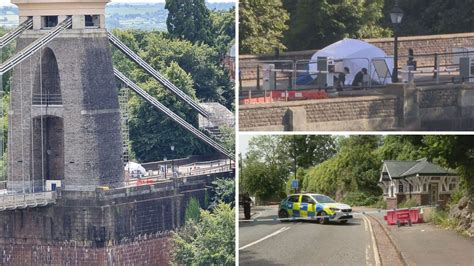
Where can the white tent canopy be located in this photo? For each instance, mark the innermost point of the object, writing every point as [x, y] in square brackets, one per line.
[356, 54]
[131, 167]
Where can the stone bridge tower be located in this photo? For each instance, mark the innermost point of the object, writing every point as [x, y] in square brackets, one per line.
[64, 114]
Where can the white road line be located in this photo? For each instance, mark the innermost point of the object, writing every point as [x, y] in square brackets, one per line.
[266, 237]
[374, 244]
[365, 224]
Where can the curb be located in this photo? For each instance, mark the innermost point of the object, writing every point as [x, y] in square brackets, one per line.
[397, 248]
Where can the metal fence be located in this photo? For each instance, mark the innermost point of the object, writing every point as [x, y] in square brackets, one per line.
[288, 75]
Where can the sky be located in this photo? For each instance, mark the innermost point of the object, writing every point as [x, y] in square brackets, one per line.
[5, 2]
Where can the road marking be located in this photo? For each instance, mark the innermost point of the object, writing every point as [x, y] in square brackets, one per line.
[367, 256]
[365, 224]
[374, 244]
[266, 237]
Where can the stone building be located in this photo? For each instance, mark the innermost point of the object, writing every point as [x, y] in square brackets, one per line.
[423, 181]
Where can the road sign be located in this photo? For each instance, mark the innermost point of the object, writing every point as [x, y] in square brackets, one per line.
[294, 183]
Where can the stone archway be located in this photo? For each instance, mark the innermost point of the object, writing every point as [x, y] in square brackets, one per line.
[48, 148]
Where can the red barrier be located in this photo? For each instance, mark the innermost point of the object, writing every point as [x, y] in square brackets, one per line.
[292, 96]
[403, 216]
[298, 95]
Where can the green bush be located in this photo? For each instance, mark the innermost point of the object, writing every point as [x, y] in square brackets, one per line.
[410, 203]
[360, 199]
[211, 241]
[380, 204]
[441, 218]
[193, 211]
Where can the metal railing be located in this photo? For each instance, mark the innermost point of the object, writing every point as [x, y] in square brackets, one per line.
[441, 68]
[47, 99]
[26, 200]
[196, 132]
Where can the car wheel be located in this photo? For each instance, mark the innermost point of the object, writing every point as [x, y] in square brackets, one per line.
[323, 220]
[343, 221]
[283, 214]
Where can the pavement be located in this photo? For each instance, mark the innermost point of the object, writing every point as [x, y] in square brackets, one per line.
[305, 242]
[427, 244]
[309, 243]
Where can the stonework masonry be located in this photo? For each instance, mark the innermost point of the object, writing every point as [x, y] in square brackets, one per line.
[398, 107]
[80, 63]
[104, 225]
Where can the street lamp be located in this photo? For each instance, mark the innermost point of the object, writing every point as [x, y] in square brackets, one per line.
[396, 15]
[166, 166]
[172, 160]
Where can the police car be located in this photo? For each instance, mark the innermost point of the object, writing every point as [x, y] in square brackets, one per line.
[313, 205]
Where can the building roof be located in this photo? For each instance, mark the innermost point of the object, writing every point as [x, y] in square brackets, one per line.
[402, 169]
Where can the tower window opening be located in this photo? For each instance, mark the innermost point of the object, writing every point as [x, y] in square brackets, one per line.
[92, 21]
[49, 22]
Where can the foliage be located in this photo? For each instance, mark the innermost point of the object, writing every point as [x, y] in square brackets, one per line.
[224, 189]
[194, 68]
[441, 218]
[262, 23]
[193, 210]
[189, 20]
[315, 24]
[356, 198]
[356, 167]
[209, 242]
[270, 163]
[408, 203]
[424, 17]
[223, 23]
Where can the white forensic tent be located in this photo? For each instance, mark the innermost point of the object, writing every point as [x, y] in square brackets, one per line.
[132, 167]
[356, 54]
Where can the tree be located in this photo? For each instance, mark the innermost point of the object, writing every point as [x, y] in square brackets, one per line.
[355, 168]
[209, 242]
[193, 211]
[262, 23]
[224, 192]
[189, 20]
[151, 132]
[265, 170]
[315, 24]
[424, 17]
[194, 68]
[223, 24]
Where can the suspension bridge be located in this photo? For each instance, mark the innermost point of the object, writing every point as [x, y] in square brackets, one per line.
[27, 192]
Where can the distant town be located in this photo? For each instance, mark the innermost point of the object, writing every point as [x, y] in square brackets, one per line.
[146, 16]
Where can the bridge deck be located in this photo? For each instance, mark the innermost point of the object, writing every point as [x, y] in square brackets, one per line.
[26, 200]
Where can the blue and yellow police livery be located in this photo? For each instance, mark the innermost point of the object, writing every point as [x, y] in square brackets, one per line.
[313, 205]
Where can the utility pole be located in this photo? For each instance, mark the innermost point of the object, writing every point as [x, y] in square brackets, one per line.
[294, 153]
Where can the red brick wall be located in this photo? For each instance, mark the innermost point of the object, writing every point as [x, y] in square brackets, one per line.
[147, 250]
[391, 203]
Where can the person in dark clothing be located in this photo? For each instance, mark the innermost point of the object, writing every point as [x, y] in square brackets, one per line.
[341, 79]
[359, 78]
[246, 201]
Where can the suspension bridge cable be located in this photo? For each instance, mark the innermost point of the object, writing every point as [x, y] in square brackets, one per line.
[172, 115]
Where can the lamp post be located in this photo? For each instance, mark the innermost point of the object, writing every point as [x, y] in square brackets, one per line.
[172, 160]
[166, 166]
[396, 15]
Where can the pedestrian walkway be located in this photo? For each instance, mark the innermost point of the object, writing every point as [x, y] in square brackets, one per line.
[426, 244]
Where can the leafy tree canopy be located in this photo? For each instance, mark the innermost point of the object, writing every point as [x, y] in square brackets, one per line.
[262, 23]
[189, 20]
[211, 241]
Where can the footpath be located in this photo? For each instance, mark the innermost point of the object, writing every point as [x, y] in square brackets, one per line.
[425, 244]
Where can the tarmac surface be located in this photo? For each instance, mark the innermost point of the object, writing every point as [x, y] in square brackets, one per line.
[305, 242]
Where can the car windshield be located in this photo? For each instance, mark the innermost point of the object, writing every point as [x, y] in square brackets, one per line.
[322, 198]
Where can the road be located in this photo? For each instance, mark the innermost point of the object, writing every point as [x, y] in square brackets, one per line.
[305, 243]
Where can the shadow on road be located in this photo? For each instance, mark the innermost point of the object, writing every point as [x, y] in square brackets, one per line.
[247, 257]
